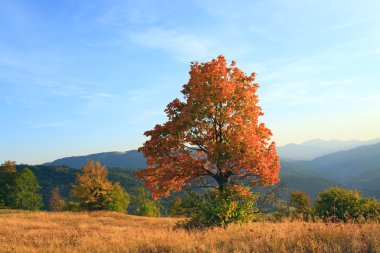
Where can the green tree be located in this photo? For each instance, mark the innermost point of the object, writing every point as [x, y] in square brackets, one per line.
[145, 205]
[370, 208]
[118, 199]
[344, 204]
[26, 191]
[7, 177]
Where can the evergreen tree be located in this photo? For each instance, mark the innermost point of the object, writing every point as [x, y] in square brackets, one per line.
[7, 176]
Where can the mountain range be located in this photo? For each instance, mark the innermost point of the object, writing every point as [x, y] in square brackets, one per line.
[312, 149]
[349, 165]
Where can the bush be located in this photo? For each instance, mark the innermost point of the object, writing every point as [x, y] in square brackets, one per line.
[339, 204]
[218, 208]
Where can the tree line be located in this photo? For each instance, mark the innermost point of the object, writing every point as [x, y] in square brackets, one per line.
[91, 191]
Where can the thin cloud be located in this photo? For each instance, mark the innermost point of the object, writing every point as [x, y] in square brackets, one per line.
[182, 45]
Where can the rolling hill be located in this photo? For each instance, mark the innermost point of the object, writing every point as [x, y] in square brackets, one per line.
[293, 174]
[344, 166]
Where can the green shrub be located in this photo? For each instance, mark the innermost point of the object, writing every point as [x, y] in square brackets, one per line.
[339, 204]
[218, 208]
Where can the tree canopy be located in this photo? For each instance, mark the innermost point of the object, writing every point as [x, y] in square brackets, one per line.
[214, 134]
[25, 194]
[7, 176]
[92, 186]
[95, 192]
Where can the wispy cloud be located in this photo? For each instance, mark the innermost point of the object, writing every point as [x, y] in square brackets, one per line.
[145, 12]
[182, 45]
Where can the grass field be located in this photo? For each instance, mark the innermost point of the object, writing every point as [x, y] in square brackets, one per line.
[113, 232]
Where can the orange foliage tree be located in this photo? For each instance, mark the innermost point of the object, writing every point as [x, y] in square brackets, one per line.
[213, 135]
[92, 186]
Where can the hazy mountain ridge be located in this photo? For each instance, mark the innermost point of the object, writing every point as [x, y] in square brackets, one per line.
[312, 149]
[132, 159]
[343, 166]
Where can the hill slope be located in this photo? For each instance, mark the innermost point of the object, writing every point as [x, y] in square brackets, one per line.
[343, 166]
[129, 160]
[297, 178]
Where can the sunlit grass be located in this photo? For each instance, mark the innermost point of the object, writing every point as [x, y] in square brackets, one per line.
[113, 232]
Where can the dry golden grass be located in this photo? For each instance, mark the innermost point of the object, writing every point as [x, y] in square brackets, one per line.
[112, 232]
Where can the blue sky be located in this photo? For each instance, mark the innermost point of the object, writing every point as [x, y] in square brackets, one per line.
[80, 77]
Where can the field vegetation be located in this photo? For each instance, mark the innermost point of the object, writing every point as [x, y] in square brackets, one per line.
[114, 232]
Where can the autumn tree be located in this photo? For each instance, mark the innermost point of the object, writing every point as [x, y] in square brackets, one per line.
[213, 136]
[56, 202]
[7, 175]
[95, 192]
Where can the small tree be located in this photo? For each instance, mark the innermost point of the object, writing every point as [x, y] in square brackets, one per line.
[344, 204]
[95, 192]
[56, 202]
[144, 204]
[26, 191]
[118, 199]
[300, 201]
[7, 177]
[92, 187]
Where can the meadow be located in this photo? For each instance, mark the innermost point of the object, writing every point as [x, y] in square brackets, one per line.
[115, 232]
